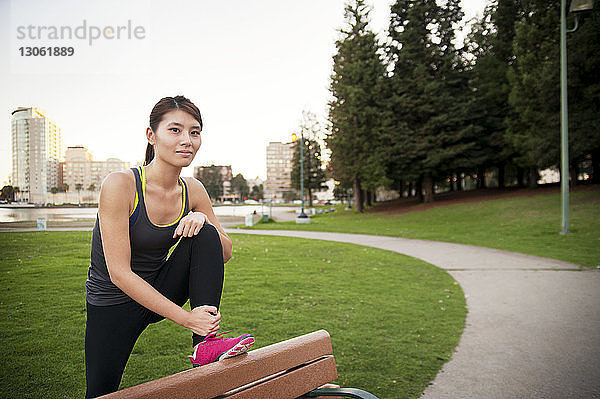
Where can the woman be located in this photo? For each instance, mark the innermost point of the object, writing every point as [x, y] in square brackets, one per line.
[132, 279]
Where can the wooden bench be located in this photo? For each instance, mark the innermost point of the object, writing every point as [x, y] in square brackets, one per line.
[289, 369]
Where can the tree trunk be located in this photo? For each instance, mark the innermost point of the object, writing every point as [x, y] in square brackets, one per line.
[369, 194]
[501, 176]
[596, 166]
[533, 177]
[573, 176]
[358, 196]
[452, 183]
[419, 189]
[480, 177]
[427, 189]
[310, 198]
[410, 188]
[458, 182]
[520, 177]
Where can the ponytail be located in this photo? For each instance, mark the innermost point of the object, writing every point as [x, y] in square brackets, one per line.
[149, 154]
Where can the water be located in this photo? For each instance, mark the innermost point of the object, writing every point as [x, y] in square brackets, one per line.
[70, 214]
[53, 214]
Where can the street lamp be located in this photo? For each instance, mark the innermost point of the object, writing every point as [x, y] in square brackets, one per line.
[302, 218]
[577, 6]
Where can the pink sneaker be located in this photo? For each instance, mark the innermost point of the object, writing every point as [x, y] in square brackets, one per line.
[215, 347]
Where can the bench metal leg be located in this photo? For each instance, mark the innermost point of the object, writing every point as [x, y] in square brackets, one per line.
[344, 392]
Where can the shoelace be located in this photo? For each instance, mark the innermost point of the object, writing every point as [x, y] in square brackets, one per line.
[211, 339]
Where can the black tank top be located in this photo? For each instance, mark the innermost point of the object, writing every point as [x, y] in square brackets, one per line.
[150, 245]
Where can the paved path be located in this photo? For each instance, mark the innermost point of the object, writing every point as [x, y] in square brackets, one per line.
[533, 324]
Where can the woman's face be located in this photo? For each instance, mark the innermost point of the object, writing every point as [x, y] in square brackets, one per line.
[177, 138]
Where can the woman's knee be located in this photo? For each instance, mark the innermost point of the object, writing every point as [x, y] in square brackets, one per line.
[207, 232]
[206, 241]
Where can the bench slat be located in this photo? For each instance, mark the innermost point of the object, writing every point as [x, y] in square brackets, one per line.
[292, 384]
[220, 377]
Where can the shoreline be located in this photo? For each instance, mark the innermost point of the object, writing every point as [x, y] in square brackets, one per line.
[71, 206]
[32, 206]
[225, 221]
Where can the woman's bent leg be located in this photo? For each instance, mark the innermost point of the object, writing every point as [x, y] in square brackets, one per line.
[194, 270]
[110, 334]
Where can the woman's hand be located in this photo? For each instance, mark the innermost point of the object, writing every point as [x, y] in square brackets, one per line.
[204, 320]
[190, 224]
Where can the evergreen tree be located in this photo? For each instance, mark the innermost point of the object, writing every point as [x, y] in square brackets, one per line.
[583, 49]
[342, 192]
[354, 113]
[535, 81]
[535, 85]
[429, 126]
[490, 42]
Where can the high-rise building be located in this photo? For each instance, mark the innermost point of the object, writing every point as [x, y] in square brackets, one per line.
[79, 167]
[279, 169]
[37, 149]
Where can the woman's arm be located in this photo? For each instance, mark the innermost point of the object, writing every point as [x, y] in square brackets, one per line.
[200, 202]
[113, 214]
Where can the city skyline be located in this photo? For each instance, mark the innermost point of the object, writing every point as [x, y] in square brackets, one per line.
[251, 69]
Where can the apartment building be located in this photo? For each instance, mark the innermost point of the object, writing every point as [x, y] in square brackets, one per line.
[279, 169]
[37, 148]
[79, 167]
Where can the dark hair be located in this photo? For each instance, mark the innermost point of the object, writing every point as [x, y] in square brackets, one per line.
[164, 106]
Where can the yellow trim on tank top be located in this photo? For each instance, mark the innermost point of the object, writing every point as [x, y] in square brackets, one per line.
[182, 195]
[135, 203]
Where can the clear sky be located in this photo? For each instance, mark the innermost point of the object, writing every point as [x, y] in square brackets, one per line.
[251, 67]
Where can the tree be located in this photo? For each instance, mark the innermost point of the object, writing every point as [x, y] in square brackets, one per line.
[491, 43]
[92, 187]
[429, 129]
[239, 186]
[314, 174]
[257, 192]
[8, 193]
[213, 181]
[78, 187]
[535, 86]
[354, 113]
[342, 192]
[584, 93]
[289, 196]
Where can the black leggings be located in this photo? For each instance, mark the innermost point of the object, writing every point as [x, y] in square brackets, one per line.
[194, 270]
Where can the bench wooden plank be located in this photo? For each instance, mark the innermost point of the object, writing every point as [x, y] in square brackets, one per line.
[293, 383]
[217, 378]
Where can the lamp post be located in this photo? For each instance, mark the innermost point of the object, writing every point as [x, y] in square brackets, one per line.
[302, 218]
[577, 6]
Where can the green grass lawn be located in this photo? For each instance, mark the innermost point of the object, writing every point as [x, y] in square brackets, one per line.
[529, 225]
[394, 320]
